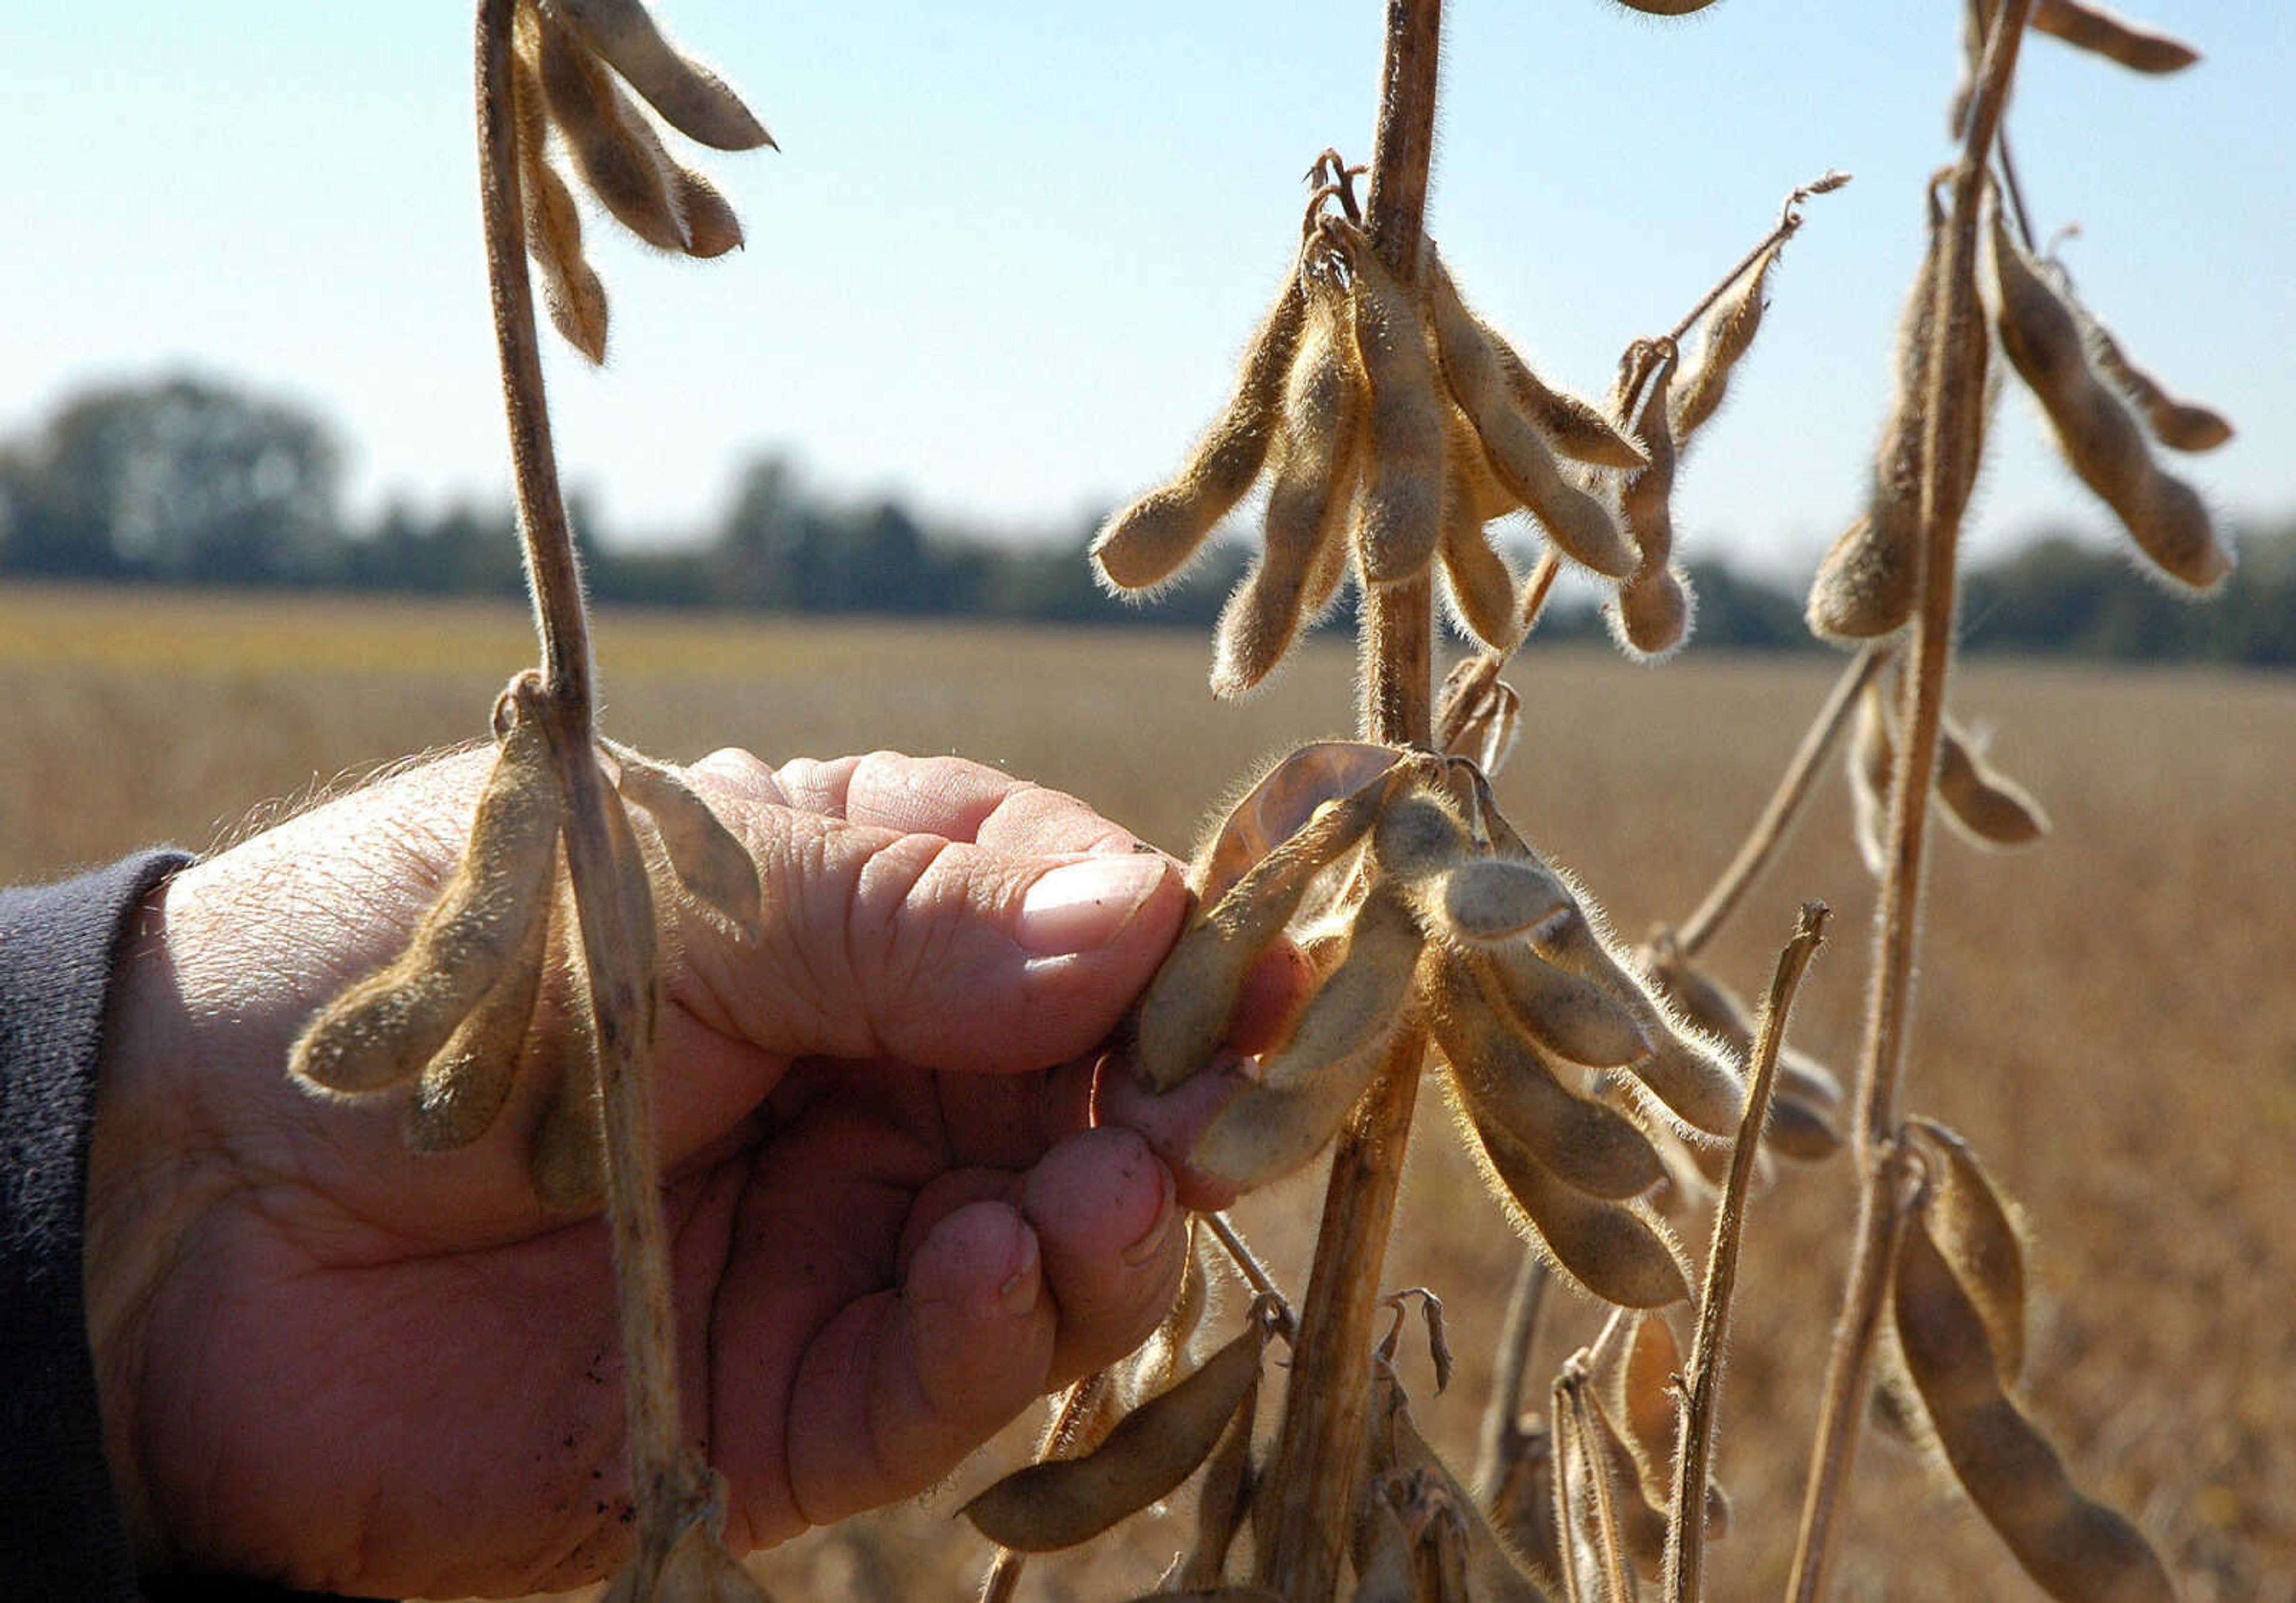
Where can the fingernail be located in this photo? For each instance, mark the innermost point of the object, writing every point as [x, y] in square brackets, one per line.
[1079, 906]
[1151, 1240]
[1019, 1291]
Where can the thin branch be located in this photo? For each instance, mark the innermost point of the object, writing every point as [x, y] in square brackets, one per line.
[668, 1486]
[1771, 830]
[1069, 1421]
[1897, 924]
[1502, 1436]
[1249, 1265]
[2016, 193]
[1686, 1540]
[1318, 1448]
[1789, 221]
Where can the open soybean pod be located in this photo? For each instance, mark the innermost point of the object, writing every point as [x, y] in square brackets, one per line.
[1279, 804]
[1318, 456]
[1398, 515]
[380, 1032]
[1972, 1224]
[2101, 440]
[1730, 329]
[1643, 1404]
[2072, 1547]
[1064, 1502]
[1185, 1009]
[1504, 1083]
[706, 857]
[693, 99]
[1485, 732]
[2094, 29]
[2179, 425]
[1986, 808]
[1150, 540]
[1618, 1251]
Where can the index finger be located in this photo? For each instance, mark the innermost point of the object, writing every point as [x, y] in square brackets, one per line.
[949, 797]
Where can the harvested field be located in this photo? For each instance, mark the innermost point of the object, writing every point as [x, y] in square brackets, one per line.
[2110, 1017]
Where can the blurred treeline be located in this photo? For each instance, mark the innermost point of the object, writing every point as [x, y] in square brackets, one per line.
[192, 481]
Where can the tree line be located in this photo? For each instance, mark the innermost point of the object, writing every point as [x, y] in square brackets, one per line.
[188, 480]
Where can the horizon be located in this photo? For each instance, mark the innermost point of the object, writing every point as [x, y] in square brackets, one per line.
[1039, 333]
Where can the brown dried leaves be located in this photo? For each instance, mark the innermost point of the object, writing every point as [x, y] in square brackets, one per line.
[570, 59]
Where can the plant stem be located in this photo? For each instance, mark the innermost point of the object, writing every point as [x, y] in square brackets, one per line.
[1788, 222]
[1255, 1273]
[1777, 822]
[1897, 924]
[1318, 1449]
[666, 1488]
[1501, 1434]
[1685, 1542]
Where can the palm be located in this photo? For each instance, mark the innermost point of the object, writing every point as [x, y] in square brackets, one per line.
[378, 1371]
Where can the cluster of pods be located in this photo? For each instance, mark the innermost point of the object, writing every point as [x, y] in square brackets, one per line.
[1393, 427]
[573, 65]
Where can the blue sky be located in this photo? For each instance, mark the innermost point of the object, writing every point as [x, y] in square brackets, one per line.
[1009, 250]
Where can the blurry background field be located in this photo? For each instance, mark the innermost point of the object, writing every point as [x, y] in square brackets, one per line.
[2110, 1017]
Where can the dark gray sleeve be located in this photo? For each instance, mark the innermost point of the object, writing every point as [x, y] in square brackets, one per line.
[61, 1537]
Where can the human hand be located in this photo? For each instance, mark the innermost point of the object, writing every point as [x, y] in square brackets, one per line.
[903, 1200]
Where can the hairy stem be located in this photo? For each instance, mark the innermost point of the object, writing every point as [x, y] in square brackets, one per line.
[1788, 222]
[1686, 1537]
[1897, 924]
[1255, 1273]
[1318, 1448]
[1501, 1439]
[1771, 830]
[666, 1489]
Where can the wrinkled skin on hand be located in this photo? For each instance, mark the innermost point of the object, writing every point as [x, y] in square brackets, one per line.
[904, 1196]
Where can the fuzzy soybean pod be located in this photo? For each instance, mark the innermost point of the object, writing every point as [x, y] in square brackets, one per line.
[2073, 1548]
[1806, 1108]
[1279, 803]
[1651, 615]
[571, 292]
[616, 152]
[381, 1031]
[695, 100]
[1317, 457]
[1688, 1071]
[1975, 1226]
[1497, 1572]
[2179, 425]
[1154, 539]
[2101, 440]
[1986, 808]
[1504, 1081]
[1569, 1018]
[1477, 579]
[463, 1088]
[1187, 1007]
[1398, 517]
[1064, 1502]
[1222, 1499]
[1520, 458]
[704, 855]
[2094, 29]
[1589, 1490]
[1730, 329]
[1619, 1251]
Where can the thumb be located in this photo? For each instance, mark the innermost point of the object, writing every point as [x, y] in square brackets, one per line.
[939, 953]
